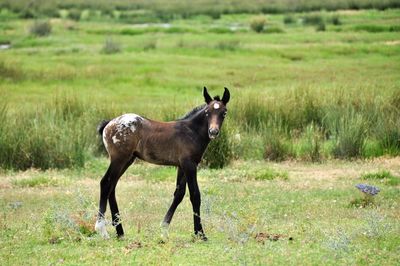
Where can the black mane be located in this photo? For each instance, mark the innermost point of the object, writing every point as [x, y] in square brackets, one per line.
[193, 112]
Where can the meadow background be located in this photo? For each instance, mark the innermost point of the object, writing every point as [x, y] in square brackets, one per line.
[315, 108]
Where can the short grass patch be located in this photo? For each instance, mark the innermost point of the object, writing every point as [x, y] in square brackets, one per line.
[307, 214]
[382, 176]
[36, 181]
[270, 174]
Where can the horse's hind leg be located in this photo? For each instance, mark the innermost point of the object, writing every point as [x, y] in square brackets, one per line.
[106, 186]
[116, 221]
[178, 196]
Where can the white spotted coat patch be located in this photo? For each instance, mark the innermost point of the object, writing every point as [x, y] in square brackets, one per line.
[115, 140]
[127, 121]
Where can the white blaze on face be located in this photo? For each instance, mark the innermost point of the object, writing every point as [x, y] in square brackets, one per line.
[216, 105]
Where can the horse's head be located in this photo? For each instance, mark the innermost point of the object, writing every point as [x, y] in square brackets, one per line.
[215, 111]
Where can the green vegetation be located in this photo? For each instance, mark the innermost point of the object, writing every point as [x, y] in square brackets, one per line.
[304, 207]
[257, 24]
[142, 11]
[316, 91]
[297, 93]
[111, 47]
[36, 181]
[40, 29]
[382, 176]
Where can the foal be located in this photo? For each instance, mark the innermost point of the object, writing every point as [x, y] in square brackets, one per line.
[180, 143]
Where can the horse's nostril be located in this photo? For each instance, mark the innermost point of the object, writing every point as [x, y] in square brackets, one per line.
[213, 131]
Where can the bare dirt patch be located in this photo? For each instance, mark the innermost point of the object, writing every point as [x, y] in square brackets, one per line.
[262, 237]
[133, 246]
[391, 43]
[349, 12]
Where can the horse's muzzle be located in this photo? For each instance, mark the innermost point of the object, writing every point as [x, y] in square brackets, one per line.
[213, 133]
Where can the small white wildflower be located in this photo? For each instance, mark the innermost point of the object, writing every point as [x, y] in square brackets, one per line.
[237, 137]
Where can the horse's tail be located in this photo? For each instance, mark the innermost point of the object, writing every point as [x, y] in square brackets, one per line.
[101, 126]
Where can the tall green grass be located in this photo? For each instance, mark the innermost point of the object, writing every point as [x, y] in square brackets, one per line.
[59, 134]
[314, 124]
[304, 124]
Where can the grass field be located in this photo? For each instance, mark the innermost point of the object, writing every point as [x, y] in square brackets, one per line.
[315, 110]
[254, 214]
[299, 90]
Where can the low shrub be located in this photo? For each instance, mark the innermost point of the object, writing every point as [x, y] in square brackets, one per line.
[150, 44]
[289, 19]
[314, 19]
[111, 47]
[219, 153]
[363, 202]
[321, 27]
[257, 24]
[213, 13]
[335, 20]
[74, 14]
[28, 13]
[228, 45]
[40, 28]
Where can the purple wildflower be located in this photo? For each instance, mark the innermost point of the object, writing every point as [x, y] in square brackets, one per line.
[367, 189]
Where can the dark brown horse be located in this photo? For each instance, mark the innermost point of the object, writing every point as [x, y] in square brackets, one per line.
[180, 143]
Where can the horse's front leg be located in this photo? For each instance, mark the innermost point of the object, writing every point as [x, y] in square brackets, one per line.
[178, 197]
[190, 169]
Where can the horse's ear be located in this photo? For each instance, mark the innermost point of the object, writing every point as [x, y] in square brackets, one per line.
[226, 96]
[207, 96]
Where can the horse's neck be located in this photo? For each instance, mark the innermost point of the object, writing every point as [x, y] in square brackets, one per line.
[198, 123]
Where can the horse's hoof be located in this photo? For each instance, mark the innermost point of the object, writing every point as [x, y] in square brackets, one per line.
[121, 237]
[164, 233]
[199, 236]
[203, 237]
